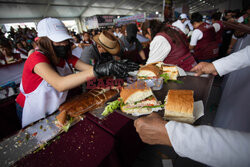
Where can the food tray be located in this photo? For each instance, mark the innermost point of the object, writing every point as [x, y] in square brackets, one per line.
[200, 85]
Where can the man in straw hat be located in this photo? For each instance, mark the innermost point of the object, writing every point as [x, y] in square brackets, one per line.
[105, 48]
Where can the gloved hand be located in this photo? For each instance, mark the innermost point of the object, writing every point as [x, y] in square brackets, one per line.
[110, 68]
[130, 66]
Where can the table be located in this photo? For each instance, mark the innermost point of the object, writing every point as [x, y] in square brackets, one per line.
[92, 142]
[11, 73]
[109, 141]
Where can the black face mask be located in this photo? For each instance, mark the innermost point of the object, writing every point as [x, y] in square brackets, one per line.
[62, 51]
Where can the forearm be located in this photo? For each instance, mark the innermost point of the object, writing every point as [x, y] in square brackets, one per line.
[235, 61]
[74, 80]
[81, 66]
[209, 145]
[62, 83]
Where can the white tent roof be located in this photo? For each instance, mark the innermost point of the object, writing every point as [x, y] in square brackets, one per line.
[31, 10]
[35, 10]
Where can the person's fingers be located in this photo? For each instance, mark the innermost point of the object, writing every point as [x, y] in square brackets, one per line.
[198, 73]
[195, 68]
[137, 123]
[215, 73]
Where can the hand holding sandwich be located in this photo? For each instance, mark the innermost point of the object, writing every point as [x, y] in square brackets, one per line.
[204, 68]
[151, 129]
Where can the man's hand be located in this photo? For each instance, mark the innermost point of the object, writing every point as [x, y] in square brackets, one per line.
[151, 129]
[204, 68]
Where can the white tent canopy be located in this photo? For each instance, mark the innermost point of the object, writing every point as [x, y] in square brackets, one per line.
[27, 10]
[12, 11]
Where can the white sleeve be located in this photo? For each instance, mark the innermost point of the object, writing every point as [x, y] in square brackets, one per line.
[190, 26]
[187, 22]
[235, 61]
[209, 145]
[196, 36]
[216, 27]
[159, 49]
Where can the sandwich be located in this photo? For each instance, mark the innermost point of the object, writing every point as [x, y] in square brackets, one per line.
[138, 99]
[179, 106]
[61, 119]
[172, 71]
[149, 72]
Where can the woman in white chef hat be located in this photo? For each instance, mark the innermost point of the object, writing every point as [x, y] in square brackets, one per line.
[47, 74]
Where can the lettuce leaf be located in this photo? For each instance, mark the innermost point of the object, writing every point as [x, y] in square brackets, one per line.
[165, 77]
[67, 126]
[177, 81]
[112, 106]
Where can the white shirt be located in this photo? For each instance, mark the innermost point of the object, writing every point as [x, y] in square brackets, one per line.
[196, 36]
[179, 25]
[159, 49]
[187, 22]
[216, 27]
[210, 145]
[235, 61]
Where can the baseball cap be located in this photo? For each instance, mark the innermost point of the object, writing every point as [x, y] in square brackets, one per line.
[52, 28]
[183, 16]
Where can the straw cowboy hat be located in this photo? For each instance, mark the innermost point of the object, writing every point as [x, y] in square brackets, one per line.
[108, 41]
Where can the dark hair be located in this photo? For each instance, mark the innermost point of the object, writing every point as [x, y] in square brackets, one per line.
[157, 26]
[216, 16]
[131, 29]
[46, 47]
[5, 42]
[196, 17]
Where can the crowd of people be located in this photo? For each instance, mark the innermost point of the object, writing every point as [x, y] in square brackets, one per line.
[194, 44]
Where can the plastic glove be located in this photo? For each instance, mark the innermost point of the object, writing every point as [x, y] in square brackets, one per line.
[130, 66]
[111, 68]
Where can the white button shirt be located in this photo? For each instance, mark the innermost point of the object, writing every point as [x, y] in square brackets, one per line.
[179, 25]
[210, 145]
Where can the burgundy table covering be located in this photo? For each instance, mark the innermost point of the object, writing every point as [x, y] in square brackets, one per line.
[92, 142]
[85, 144]
[127, 141]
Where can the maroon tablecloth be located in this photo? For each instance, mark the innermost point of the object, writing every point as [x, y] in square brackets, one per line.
[85, 144]
[112, 141]
[127, 141]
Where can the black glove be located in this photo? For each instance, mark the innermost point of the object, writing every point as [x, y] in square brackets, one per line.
[110, 68]
[130, 66]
